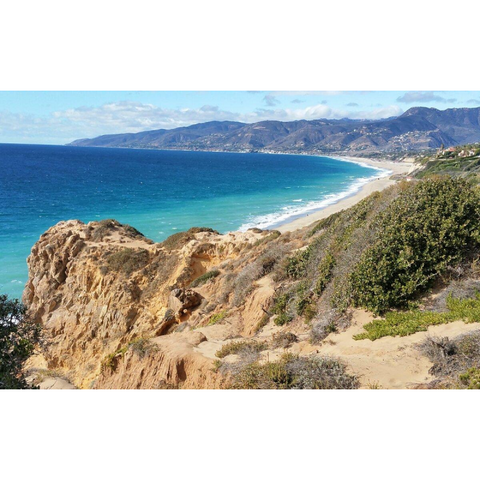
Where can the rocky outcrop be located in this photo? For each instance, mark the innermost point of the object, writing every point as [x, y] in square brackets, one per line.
[98, 287]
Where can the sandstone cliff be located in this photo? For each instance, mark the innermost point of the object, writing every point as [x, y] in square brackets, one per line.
[103, 287]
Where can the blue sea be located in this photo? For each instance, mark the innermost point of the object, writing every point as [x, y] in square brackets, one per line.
[158, 192]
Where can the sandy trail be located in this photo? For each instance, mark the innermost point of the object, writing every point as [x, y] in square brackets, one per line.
[389, 362]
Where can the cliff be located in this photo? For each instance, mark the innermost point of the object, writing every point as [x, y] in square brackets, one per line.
[100, 286]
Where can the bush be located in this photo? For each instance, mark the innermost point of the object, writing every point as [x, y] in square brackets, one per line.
[202, 279]
[324, 273]
[106, 227]
[280, 308]
[328, 322]
[283, 339]
[471, 378]
[407, 323]
[431, 225]
[294, 372]
[296, 266]
[243, 282]
[273, 235]
[127, 260]
[217, 317]
[456, 362]
[263, 322]
[142, 347]
[178, 240]
[240, 347]
[19, 335]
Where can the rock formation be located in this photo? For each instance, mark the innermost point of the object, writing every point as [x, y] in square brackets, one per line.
[98, 287]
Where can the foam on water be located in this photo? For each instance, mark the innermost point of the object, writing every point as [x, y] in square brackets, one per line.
[288, 213]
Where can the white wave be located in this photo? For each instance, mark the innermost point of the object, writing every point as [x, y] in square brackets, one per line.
[298, 200]
[293, 211]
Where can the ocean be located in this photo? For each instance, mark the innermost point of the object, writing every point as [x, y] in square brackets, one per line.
[158, 192]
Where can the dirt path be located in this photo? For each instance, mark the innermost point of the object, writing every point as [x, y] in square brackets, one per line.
[389, 362]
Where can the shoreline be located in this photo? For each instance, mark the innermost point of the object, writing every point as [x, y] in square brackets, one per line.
[374, 185]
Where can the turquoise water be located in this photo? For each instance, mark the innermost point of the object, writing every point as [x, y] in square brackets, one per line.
[157, 192]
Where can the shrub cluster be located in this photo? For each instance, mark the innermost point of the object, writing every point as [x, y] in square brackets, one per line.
[431, 225]
[217, 317]
[178, 240]
[127, 260]
[409, 322]
[240, 347]
[456, 362]
[294, 372]
[19, 335]
[202, 279]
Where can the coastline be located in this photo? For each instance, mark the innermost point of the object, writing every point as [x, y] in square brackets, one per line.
[375, 185]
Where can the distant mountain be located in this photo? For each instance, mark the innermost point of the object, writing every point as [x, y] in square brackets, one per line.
[418, 128]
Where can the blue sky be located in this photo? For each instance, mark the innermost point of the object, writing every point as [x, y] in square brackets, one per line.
[60, 117]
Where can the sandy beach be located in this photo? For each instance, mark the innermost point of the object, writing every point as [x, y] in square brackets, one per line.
[373, 186]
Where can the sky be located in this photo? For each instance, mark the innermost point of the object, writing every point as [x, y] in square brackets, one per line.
[49, 117]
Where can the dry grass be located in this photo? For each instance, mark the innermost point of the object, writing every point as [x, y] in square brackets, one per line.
[128, 260]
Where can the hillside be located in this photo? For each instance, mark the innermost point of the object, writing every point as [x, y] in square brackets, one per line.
[417, 129]
[364, 298]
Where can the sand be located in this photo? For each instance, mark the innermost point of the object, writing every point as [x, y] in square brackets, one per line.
[373, 186]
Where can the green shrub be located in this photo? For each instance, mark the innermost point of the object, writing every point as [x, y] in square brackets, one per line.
[202, 279]
[239, 347]
[430, 226]
[325, 269]
[263, 322]
[19, 336]
[407, 323]
[471, 379]
[296, 266]
[217, 317]
[280, 306]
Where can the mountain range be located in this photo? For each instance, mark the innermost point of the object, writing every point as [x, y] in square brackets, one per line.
[417, 129]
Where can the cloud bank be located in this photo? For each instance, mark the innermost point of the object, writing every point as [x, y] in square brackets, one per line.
[132, 117]
[425, 97]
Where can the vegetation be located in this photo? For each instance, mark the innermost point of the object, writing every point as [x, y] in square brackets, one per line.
[280, 308]
[325, 269]
[283, 339]
[263, 322]
[293, 372]
[240, 347]
[456, 362]
[202, 279]
[407, 323]
[459, 161]
[19, 336]
[127, 260]
[274, 234]
[430, 226]
[106, 227]
[217, 317]
[178, 240]
[140, 346]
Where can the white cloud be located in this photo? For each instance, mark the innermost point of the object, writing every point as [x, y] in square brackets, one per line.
[131, 117]
[416, 97]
